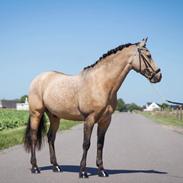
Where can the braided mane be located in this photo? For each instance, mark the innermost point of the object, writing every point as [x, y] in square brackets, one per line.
[110, 52]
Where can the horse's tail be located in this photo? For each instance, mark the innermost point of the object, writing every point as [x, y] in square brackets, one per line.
[40, 133]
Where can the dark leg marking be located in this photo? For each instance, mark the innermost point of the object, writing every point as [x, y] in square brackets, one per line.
[54, 125]
[34, 168]
[101, 131]
[86, 145]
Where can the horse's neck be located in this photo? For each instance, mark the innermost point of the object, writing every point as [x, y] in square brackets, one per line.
[112, 72]
[118, 82]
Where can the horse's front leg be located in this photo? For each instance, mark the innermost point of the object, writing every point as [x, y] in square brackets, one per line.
[102, 128]
[88, 127]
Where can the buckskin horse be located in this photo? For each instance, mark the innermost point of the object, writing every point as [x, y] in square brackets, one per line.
[90, 96]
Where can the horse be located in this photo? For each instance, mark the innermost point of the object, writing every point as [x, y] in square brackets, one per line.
[90, 96]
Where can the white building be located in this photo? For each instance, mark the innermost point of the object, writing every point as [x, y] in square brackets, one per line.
[23, 106]
[152, 107]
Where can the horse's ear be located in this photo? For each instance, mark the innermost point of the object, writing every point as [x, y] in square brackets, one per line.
[143, 42]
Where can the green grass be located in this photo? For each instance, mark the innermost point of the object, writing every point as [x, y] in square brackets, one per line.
[13, 127]
[10, 119]
[11, 137]
[164, 118]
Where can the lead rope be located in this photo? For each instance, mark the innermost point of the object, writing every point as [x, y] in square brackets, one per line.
[158, 93]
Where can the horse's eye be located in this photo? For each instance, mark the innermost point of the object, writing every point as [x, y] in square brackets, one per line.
[149, 56]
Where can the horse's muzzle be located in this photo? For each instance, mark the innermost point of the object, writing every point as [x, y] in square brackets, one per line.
[156, 77]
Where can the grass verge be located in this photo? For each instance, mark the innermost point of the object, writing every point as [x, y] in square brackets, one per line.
[11, 137]
[164, 119]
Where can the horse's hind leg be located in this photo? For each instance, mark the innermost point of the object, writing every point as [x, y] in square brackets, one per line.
[34, 131]
[35, 121]
[102, 128]
[54, 125]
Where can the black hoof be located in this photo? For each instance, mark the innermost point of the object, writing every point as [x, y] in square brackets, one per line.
[102, 173]
[57, 168]
[83, 174]
[35, 170]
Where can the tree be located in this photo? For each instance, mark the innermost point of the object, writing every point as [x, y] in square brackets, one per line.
[121, 106]
[164, 106]
[23, 98]
[131, 107]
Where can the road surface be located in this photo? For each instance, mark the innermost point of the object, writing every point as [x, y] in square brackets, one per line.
[136, 150]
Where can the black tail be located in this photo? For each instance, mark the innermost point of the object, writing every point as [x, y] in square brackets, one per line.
[40, 133]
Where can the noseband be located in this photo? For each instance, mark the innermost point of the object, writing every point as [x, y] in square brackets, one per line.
[149, 72]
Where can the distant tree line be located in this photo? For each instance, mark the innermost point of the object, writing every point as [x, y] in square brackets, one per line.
[123, 107]
[23, 98]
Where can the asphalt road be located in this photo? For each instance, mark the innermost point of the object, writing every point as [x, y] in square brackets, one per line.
[136, 150]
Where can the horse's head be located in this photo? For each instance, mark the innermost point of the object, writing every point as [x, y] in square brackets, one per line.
[144, 64]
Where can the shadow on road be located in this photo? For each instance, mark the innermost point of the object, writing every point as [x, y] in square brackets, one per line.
[93, 171]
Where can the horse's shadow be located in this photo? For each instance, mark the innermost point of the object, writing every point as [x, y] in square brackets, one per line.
[93, 171]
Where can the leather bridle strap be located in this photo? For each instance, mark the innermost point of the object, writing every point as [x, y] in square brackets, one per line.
[147, 64]
[154, 73]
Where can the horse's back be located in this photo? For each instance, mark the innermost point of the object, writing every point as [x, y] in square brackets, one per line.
[41, 81]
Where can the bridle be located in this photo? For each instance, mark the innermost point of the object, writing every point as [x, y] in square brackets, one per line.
[148, 72]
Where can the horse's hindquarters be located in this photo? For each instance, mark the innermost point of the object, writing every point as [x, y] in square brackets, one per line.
[60, 97]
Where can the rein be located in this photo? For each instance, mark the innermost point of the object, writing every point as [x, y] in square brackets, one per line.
[151, 73]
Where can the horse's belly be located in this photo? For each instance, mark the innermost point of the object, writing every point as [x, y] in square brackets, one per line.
[69, 116]
[70, 113]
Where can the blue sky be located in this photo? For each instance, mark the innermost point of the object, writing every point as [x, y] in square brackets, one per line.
[42, 35]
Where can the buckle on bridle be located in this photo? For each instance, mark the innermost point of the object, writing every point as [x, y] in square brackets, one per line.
[148, 66]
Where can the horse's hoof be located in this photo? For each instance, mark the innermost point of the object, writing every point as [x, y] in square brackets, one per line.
[83, 174]
[57, 168]
[103, 173]
[35, 170]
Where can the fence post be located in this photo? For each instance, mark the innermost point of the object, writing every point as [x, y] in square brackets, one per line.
[177, 113]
